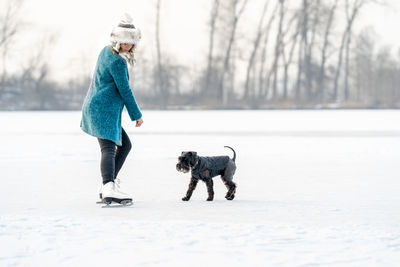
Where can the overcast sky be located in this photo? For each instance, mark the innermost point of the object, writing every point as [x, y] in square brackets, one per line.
[82, 27]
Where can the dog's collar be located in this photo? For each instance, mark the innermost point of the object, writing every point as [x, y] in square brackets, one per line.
[195, 165]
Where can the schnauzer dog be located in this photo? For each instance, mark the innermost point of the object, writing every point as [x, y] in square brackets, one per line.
[205, 168]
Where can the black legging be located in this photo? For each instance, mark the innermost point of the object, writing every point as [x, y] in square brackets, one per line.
[113, 157]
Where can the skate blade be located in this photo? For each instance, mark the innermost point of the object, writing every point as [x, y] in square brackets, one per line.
[117, 205]
[111, 202]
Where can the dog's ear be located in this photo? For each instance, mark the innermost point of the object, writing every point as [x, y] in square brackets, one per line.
[183, 155]
[193, 157]
[191, 154]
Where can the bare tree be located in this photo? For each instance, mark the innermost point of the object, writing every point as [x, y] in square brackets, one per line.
[351, 14]
[35, 77]
[288, 59]
[9, 28]
[386, 76]
[302, 51]
[265, 74]
[364, 65]
[278, 48]
[310, 66]
[249, 84]
[236, 14]
[160, 81]
[324, 51]
[284, 28]
[210, 64]
[310, 28]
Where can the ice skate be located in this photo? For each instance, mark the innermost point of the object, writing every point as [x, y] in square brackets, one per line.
[117, 184]
[111, 194]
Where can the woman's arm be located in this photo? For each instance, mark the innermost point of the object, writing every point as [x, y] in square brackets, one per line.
[119, 72]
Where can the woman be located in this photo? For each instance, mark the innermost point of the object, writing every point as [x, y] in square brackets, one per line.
[109, 92]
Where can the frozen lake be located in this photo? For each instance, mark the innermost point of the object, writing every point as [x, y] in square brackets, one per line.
[315, 188]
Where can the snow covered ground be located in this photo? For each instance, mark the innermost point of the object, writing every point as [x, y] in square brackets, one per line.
[315, 188]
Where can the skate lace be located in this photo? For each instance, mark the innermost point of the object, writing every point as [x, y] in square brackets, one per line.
[117, 183]
[117, 186]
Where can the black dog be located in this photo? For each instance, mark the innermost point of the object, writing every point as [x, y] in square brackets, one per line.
[205, 168]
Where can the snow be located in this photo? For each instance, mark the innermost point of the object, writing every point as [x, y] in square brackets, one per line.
[315, 188]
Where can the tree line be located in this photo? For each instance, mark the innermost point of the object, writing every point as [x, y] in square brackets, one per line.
[301, 54]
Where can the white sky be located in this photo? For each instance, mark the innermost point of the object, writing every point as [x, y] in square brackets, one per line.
[82, 28]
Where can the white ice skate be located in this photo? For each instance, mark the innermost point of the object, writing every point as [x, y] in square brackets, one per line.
[117, 184]
[111, 194]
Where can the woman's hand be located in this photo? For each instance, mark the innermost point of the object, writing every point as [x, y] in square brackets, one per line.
[139, 122]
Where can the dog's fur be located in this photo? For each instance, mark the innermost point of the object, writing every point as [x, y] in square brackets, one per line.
[205, 168]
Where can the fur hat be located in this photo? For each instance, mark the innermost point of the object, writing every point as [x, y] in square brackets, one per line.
[125, 33]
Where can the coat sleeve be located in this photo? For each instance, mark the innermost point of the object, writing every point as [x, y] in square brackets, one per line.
[119, 72]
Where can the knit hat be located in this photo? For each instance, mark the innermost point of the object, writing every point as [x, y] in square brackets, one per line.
[125, 33]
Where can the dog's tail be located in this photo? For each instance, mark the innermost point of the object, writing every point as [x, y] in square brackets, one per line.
[234, 153]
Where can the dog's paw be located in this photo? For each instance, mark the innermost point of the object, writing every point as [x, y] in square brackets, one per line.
[185, 199]
[210, 199]
[230, 197]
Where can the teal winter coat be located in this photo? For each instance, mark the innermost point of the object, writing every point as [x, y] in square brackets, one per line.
[109, 92]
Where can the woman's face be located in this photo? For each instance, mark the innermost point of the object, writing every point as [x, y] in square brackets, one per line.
[125, 48]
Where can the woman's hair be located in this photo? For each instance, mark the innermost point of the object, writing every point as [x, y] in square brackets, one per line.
[115, 46]
[128, 56]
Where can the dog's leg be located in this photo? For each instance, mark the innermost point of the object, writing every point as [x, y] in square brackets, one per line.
[227, 178]
[192, 186]
[231, 186]
[210, 189]
[230, 195]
